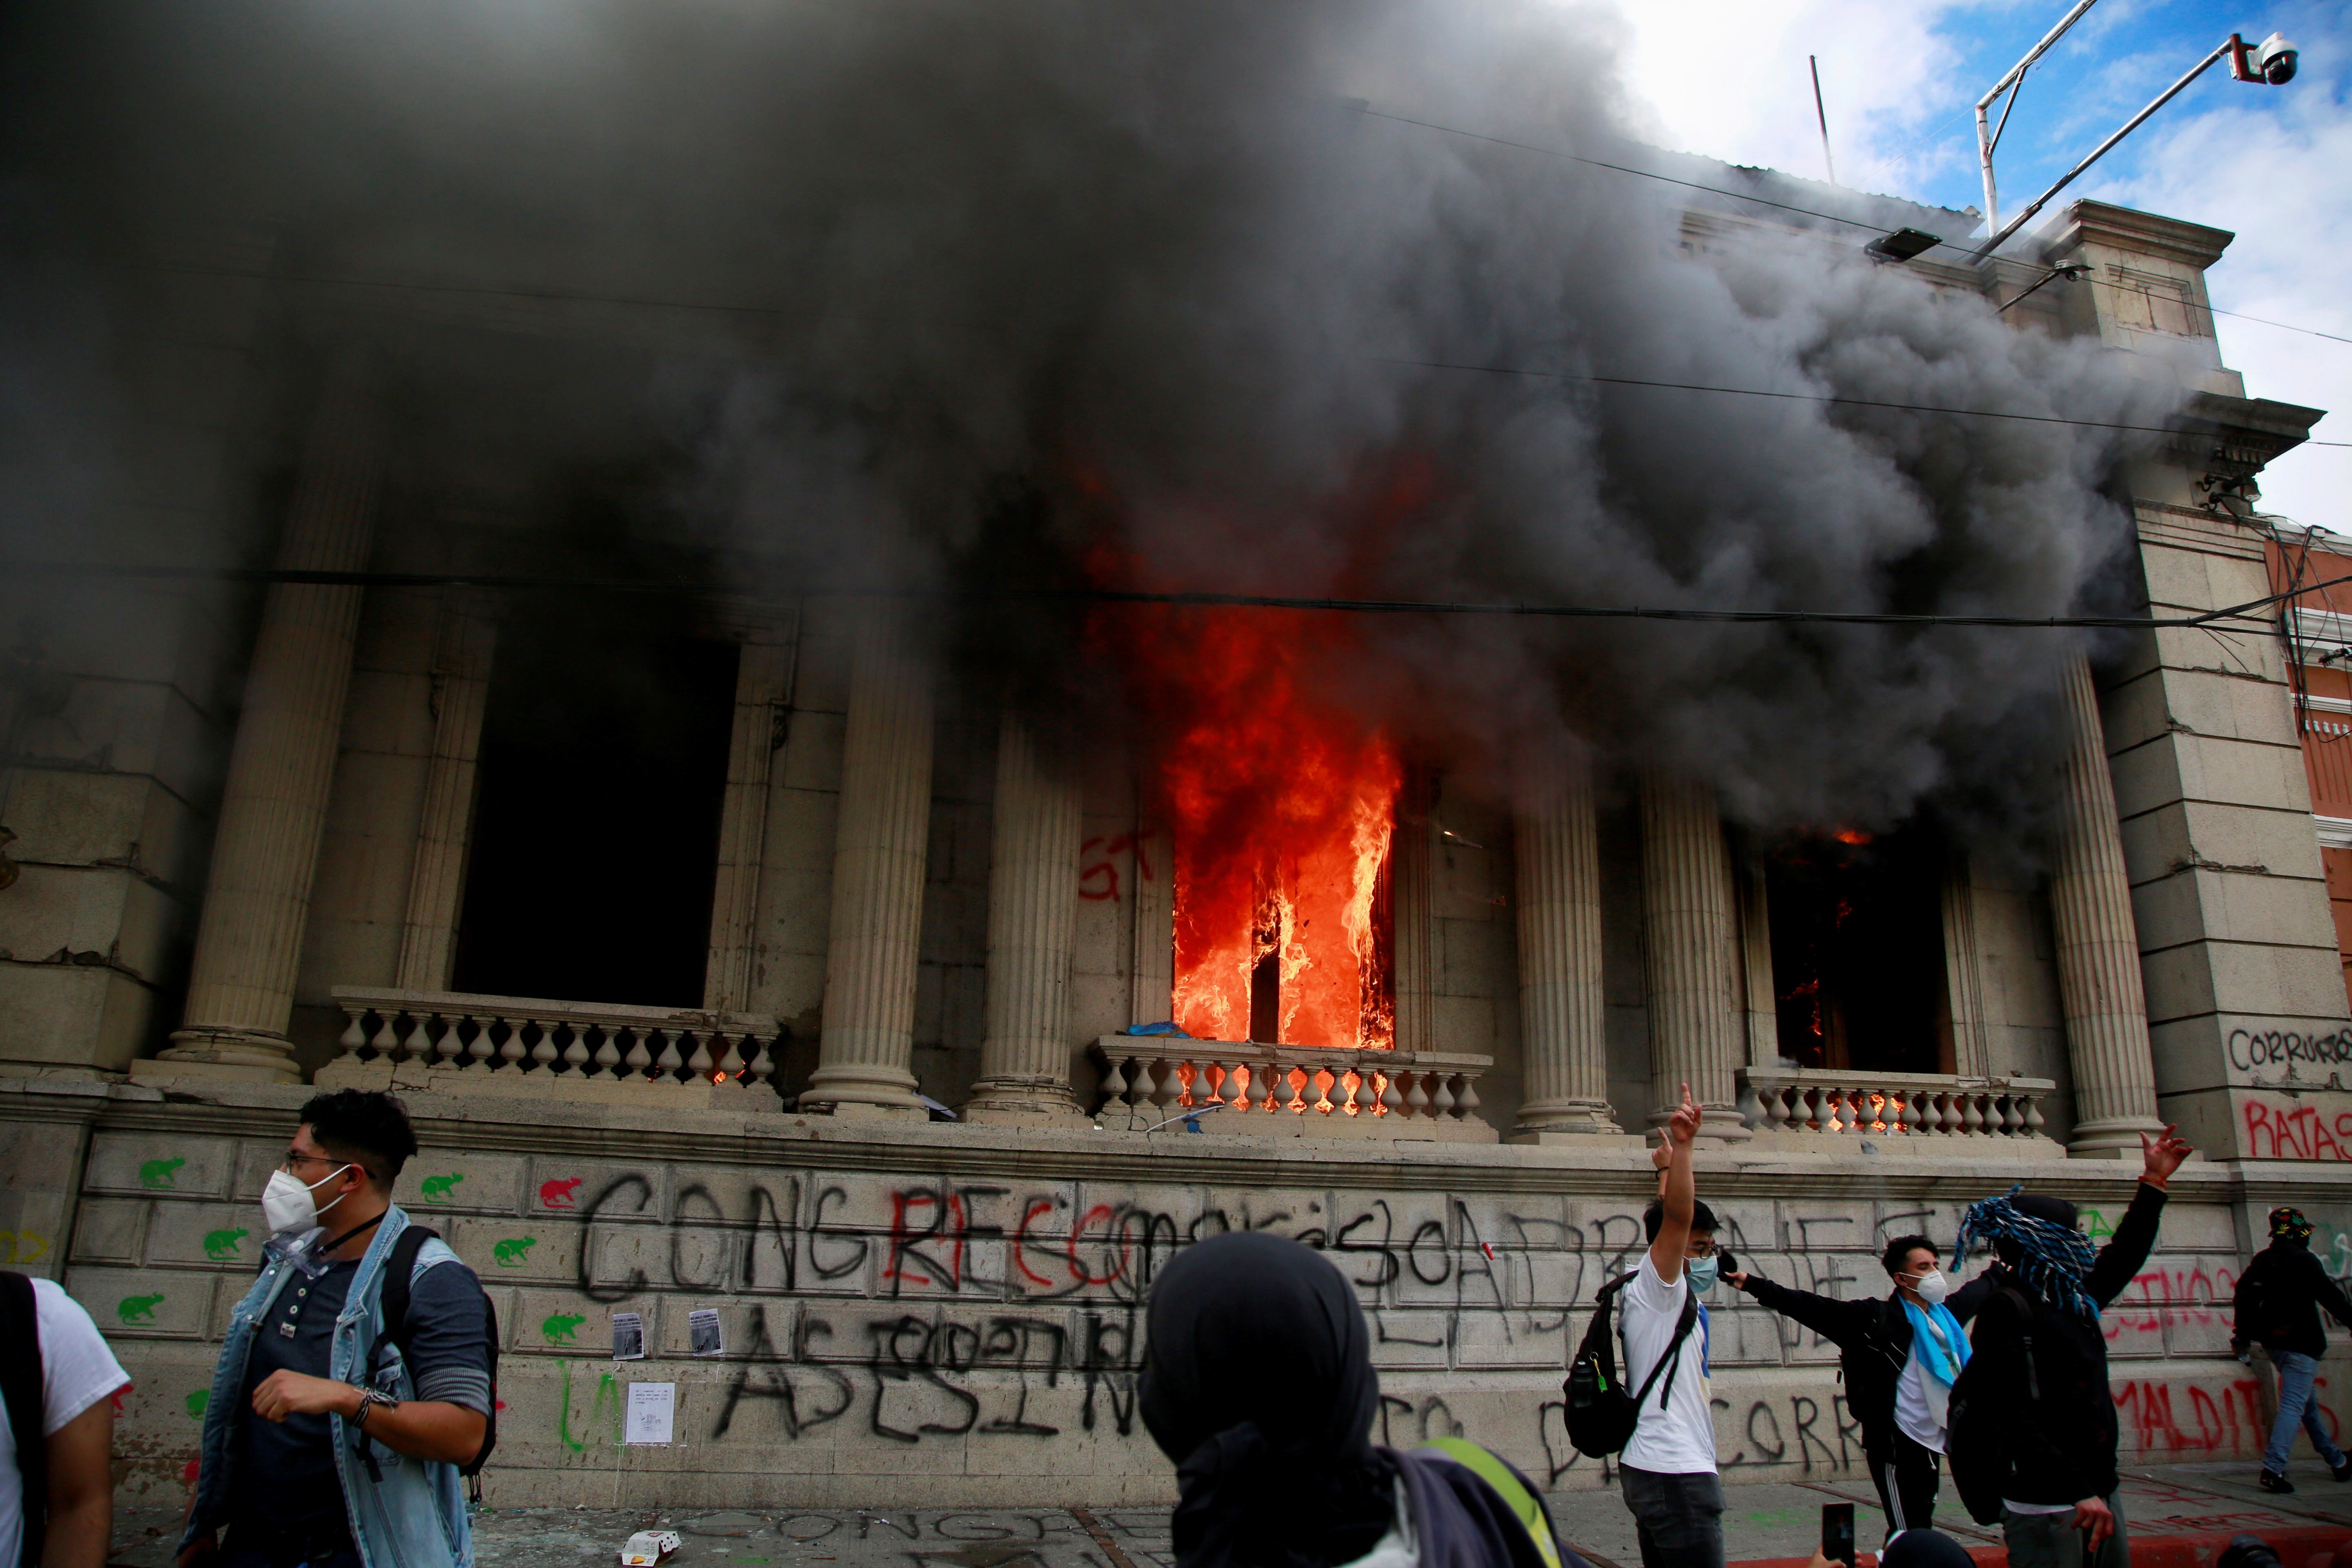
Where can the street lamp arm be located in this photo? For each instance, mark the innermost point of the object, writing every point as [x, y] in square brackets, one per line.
[2227, 46]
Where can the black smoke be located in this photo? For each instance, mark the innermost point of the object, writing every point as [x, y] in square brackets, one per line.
[1045, 292]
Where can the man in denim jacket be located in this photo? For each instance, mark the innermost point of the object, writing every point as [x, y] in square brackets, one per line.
[325, 1444]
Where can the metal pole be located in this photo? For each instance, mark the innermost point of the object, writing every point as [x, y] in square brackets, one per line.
[1984, 134]
[1824, 115]
[2014, 225]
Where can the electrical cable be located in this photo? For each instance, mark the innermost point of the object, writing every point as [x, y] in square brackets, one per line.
[300, 577]
[1798, 396]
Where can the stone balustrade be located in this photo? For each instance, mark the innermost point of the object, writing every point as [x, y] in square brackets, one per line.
[1290, 1091]
[1804, 1107]
[464, 1043]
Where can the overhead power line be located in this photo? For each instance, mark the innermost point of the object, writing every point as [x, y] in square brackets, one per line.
[278, 574]
[1798, 396]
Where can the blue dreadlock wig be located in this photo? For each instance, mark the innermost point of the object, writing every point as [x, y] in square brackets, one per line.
[2052, 1259]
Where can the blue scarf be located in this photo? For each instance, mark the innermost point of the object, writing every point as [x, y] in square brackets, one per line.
[1936, 1359]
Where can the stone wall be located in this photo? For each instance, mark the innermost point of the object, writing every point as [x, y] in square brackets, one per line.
[964, 1303]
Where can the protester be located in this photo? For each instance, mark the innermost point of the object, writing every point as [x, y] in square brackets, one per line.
[1258, 1383]
[2039, 1410]
[2278, 1302]
[57, 1446]
[1900, 1355]
[340, 1449]
[1667, 1469]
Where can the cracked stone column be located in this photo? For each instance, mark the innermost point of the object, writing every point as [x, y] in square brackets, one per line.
[282, 763]
[2099, 983]
[1561, 1012]
[866, 1048]
[1696, 1034]
[1033, 912]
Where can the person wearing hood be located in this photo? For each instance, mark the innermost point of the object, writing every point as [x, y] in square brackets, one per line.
[326, 1444]
[2040, 1431]
[1258, 1385]
[1899, 1355]
[2277, 1307]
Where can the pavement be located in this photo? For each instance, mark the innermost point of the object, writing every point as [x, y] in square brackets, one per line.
[2179, 1515]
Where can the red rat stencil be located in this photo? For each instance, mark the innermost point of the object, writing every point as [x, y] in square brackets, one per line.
[558, 1195]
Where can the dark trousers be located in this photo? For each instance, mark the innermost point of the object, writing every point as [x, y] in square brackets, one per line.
[1678, 1517]
[1907, 1475]
[253, 1544]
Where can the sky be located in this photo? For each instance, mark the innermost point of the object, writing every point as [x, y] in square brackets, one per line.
[1729, 78]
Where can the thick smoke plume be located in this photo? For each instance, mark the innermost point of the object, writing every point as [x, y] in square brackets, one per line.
[1048, 293]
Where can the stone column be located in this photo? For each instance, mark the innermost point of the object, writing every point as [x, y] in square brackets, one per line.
[1413, 961]
[274, 802]
[467, 638]
[2098, 946]
[1561, 1012]
[1696, 1033]
[1032, 913]
[763, 686]
[866, 1052]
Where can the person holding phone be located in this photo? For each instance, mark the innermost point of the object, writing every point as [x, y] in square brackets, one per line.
[1899, 1354]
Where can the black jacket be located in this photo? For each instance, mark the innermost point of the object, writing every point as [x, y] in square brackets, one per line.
[2062, 1443]
[2290, 1286]
[1873, 1339]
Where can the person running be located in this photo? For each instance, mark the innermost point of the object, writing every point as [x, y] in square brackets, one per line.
[1899, 1354]
[2041, 1417]
[2278, 1301]
[1258, 1384]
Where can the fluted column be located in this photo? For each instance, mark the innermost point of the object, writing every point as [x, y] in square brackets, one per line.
[2098, 946]
[1695, 1034]
[865, 1051]
[1561, 1012]
[282, 763]
[1033, 915]
[436, 872]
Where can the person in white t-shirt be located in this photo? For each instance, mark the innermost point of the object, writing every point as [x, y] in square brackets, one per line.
[1667, 1471]
[79, 1374]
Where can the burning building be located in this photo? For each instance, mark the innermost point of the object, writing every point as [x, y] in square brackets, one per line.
[849, 802]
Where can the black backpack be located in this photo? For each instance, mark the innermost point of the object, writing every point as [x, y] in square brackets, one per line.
[1600, 1415]
[398, 1268]
[21, 1383]
[1975, 1446]
[2260, 1315]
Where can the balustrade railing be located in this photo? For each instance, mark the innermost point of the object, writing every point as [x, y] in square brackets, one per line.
[527, 1044]
[1907, 1105]
[1153, 1079]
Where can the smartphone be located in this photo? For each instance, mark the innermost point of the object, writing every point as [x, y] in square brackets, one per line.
[1837, 1533]
[1727, 1262]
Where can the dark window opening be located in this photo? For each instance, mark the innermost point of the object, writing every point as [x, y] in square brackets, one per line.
[1858, 952]
[603, 769]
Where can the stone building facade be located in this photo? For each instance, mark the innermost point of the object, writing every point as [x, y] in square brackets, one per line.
[306, 837]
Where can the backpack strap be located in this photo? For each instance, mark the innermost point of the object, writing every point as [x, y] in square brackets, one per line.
[398, 1269]
[1506, 1484]
[22, 1382]
[1673, 1358]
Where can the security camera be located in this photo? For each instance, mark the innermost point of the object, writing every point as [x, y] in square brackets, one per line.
[2275, 59]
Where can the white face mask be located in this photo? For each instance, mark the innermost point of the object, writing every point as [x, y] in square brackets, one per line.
[1933, 1288]
[288, 1205]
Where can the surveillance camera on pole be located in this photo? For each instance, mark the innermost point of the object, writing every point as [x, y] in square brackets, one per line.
[2271, 62]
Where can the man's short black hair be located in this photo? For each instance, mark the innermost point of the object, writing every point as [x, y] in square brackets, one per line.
[1898, 1252]
[365, 1126]
[1653, 1219]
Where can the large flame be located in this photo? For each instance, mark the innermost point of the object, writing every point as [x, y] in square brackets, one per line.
[1281, 807]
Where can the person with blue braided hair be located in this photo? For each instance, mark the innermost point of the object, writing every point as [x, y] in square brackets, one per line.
[2033, 1433]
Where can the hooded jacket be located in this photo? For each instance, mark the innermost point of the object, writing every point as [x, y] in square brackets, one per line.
[2062, 1443]
[2291, 1286]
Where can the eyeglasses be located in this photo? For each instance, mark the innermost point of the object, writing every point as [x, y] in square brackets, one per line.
[291, 1160]
[1695, 1252]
